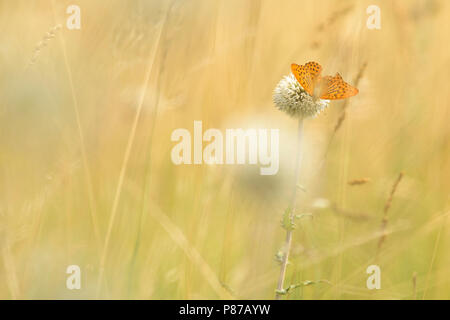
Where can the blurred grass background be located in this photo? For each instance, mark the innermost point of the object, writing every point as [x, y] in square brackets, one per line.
[85, 125]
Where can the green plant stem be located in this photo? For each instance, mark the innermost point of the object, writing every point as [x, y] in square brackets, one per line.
[293, 202]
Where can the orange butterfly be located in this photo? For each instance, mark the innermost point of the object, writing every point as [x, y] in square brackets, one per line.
[328, 87]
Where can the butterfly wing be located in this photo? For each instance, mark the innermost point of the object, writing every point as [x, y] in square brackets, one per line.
[302, 75]
[314, 70]
[307, 75]
[334, 88]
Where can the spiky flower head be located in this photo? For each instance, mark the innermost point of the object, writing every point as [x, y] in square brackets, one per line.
[290, 97]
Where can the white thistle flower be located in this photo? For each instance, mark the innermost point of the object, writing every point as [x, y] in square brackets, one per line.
[290, 97]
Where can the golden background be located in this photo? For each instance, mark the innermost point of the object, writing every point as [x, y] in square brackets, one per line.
[86, 176]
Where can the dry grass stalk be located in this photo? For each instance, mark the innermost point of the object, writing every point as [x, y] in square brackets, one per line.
[357, 182]
[334, 17]
[81, 136]
[345, 105]
[386, 209]
[51, 34]
[131, 137]
[329, 22]
[344, 110]
[414, 282]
